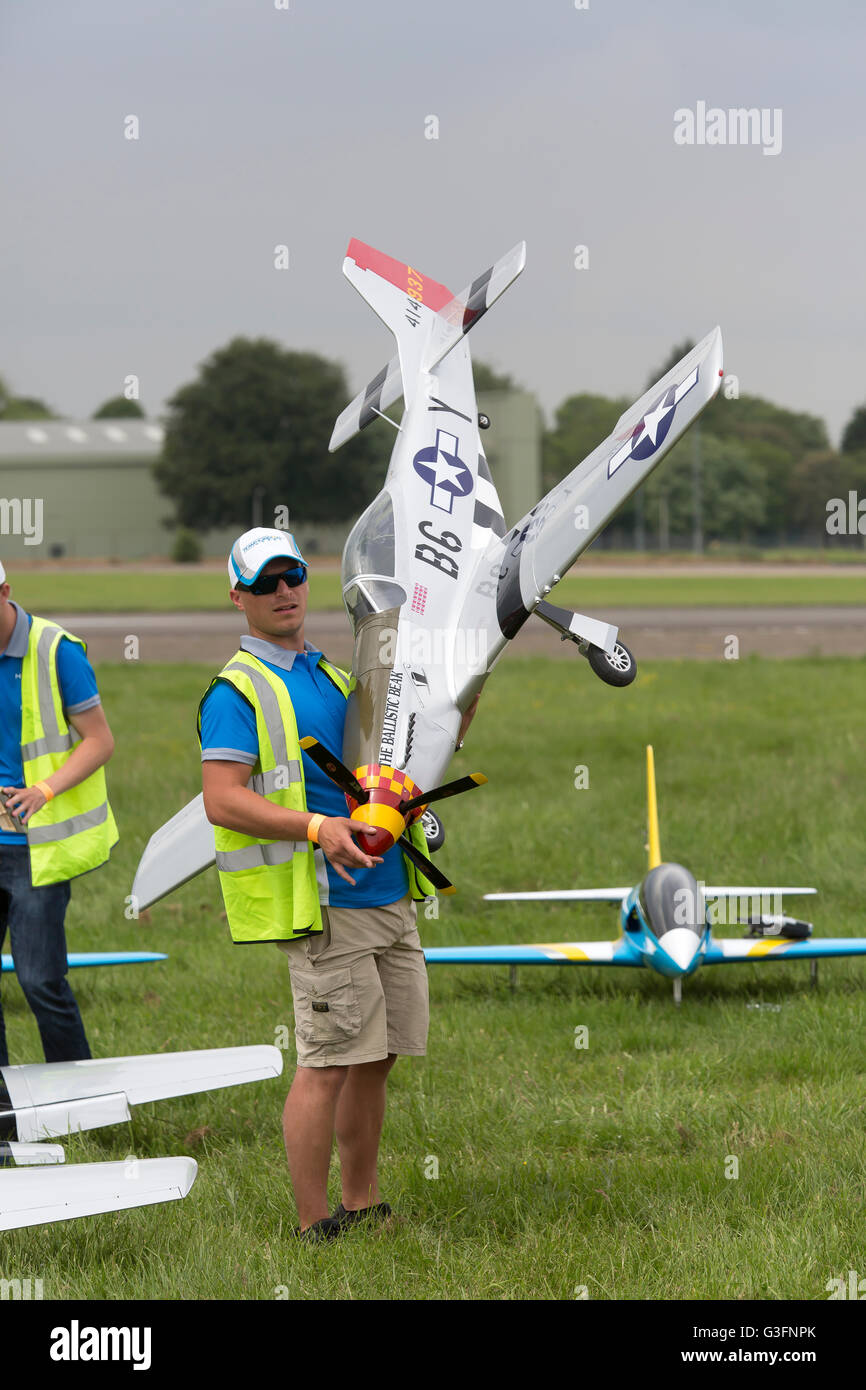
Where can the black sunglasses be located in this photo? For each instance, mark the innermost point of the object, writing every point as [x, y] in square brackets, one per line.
[267, 583]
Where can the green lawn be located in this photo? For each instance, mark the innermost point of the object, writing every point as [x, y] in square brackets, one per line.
[558, 1168]
[192, 589]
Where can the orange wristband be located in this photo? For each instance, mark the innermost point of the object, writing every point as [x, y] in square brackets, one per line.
[313, 828]
[45, 790]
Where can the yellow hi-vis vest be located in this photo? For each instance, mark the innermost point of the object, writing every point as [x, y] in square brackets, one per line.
[75, 831]
[270, 887]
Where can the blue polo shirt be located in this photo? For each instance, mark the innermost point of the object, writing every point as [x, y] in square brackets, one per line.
[228, 734]
[77, 688]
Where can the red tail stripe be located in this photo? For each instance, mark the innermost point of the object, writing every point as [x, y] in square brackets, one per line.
[433, 295]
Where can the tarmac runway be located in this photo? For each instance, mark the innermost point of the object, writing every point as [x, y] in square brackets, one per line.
[701, 634]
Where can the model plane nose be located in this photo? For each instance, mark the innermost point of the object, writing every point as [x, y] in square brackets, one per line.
[386, 789]
[681, 945]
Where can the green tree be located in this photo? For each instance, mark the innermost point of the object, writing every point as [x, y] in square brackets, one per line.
[488, 379]
[854, 435]
[119, 408]
[734, 490]
[820, 477]
[257, 421]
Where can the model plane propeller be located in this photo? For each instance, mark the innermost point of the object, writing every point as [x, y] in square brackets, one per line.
[666, 924]
[434, 582]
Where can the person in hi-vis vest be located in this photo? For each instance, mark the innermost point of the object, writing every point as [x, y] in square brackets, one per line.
[54, 742]
[292, 874]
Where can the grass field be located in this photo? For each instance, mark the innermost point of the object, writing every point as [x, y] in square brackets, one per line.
[559, 1169]
[192, 589]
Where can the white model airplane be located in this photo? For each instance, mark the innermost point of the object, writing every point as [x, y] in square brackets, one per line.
[666, 923]
[433, 581]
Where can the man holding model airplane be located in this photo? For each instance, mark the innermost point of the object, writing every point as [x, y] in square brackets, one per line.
[292, 874]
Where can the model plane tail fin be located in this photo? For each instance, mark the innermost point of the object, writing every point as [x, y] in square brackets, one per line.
[654, 847]
[425, 317]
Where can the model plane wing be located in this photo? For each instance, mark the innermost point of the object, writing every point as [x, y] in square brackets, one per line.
[30, 1155]
[725, 951]
[87, 958]
[47, 1100]
[556, 953]
[175, 853]
[563, 895]
[546, 542]
[37, 1196]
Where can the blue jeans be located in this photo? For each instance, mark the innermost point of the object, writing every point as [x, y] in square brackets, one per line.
[34, 917]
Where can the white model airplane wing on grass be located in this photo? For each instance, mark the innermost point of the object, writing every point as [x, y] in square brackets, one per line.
[29, 1155]
[38, 1196]
[50, 1099]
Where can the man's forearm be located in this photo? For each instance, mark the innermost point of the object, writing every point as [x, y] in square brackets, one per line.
[84, 759]
[244, 810]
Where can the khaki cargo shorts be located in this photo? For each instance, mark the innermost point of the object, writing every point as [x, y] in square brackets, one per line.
[360, 989]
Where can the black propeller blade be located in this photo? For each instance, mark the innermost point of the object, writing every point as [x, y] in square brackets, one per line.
[463, 784]
[427, 867]
[337, 771]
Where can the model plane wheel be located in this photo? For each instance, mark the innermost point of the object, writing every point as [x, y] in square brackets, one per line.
[483, 421]
[619, 668]
[434, 830]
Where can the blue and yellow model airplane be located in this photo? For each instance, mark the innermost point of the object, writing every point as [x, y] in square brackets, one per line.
[666, 924]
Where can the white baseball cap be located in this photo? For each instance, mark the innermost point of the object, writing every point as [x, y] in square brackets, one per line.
[2, 573]
[254, 549]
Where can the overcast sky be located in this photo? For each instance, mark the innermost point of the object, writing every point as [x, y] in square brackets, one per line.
[306, 126]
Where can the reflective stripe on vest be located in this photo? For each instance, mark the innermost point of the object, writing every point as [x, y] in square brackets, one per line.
[75, 831]
[269, 887]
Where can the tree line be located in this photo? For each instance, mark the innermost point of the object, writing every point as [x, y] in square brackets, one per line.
[250, 433]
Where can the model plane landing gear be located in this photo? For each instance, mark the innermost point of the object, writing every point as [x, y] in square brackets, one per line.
[483, 421]
[434, 830]
[609, 658]
[615, 668]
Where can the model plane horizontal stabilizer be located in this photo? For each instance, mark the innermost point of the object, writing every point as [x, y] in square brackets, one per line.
[45, 1100]
[370, 404]
[463, 310]
[37, 1196]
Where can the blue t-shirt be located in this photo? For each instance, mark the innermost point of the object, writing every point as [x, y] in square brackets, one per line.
[228, 733]
[77, 688]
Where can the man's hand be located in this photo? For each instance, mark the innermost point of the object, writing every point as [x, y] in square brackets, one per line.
[335, 837]
[23, 802]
